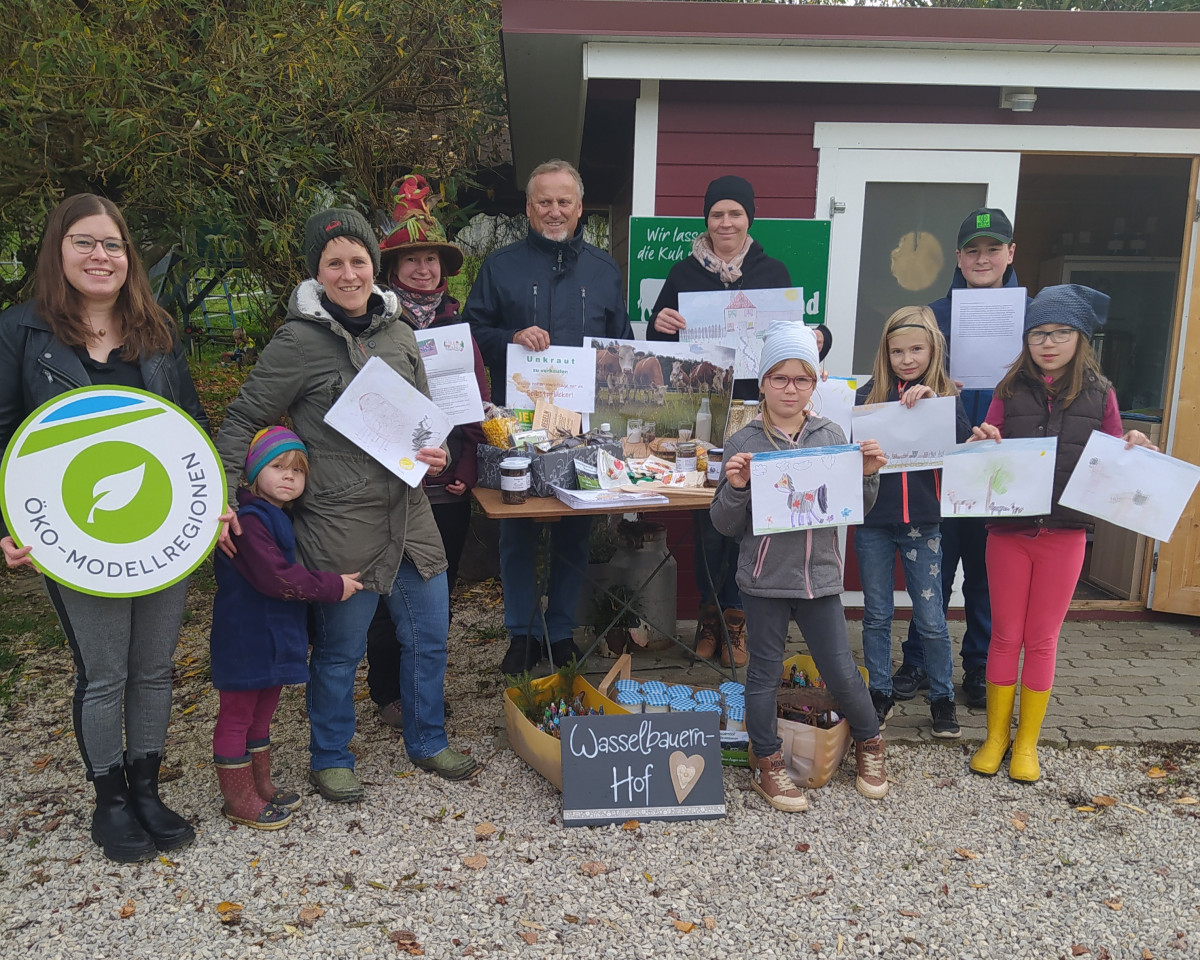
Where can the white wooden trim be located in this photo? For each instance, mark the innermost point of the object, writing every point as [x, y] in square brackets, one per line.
[770, 62]
[1187, 280]
[645, 150]
[1005, 137]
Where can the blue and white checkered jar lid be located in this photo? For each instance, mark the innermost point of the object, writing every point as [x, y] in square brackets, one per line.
[735, 712]
[630, 698]
[657, 698]
[627, 684]
[708, 708]
[731, 687]
[683, 705]
[654, 686]
[679, 690]
[707, 696]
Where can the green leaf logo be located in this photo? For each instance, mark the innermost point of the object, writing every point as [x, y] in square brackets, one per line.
[117, 492]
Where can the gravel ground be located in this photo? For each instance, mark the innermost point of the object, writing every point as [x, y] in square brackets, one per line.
[948, 865]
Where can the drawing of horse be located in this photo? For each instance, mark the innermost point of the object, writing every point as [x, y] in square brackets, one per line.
[804, 504]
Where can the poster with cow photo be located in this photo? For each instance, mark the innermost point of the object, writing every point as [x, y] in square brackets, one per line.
[663, 383]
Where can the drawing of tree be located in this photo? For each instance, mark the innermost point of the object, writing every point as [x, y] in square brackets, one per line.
[998, 482]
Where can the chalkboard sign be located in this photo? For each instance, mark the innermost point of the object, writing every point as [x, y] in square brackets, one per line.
[657, 243]
[662, 766]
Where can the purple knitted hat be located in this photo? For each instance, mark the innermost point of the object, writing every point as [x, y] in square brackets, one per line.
[268, 444]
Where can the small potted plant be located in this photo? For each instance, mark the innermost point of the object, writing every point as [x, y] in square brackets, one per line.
[615, 611]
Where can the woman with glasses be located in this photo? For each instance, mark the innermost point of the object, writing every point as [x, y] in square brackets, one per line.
[723, 257]
[1055, 388]
[94, 322]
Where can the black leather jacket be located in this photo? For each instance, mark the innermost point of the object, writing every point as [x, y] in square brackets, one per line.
[36, 367]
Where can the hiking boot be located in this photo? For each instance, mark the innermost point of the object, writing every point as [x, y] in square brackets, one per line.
[735, 623]
[974, 687]
[114, 826]
[523, 654]
[945, 719]
[710, 633]
[336, 784]
[448, 764]
[884, 706]
[770, 780]
[871, 779]
[390, 715]
[907, 681]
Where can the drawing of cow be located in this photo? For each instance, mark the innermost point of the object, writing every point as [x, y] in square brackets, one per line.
[648, 379]
[804, 504]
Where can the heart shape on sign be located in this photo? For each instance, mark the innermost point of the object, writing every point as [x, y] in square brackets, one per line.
[685, 772]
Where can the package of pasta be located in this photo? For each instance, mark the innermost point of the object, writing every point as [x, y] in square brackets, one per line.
[498, 423]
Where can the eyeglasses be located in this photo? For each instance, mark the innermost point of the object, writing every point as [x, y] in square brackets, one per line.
[780, 381]
[113, 246]
[1038, 337]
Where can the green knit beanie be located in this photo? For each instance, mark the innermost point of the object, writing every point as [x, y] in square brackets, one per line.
[332, 223]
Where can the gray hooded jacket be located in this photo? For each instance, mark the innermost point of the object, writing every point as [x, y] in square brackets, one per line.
[793, 565]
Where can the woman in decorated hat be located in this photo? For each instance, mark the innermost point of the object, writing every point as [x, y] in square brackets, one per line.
[416, 259]
[357, 515]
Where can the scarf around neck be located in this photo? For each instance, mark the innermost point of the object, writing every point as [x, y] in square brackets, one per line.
[727, 271]
[422, 304]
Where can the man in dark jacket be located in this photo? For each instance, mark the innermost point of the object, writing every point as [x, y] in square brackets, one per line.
[550, 289]
[985, 256]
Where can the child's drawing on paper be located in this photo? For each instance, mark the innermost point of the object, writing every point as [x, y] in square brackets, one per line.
[986, 479]
[804, 489]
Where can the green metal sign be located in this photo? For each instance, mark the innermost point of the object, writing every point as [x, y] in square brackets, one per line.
[657, 243]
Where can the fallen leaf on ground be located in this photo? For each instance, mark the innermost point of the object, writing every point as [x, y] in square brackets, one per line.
[1103, 801]
[1102, 746]
[406, 941]
[1112, 904]
[1186, 800]
[910, 913]
[484, 830]
[308, 914]
[570, 918]
[817, 946]
[710, 923]
[684, 926]
[1156, 773]
[1078, 949]
[802, 848]
[477, 862]
[630, 825]
[1084, 808]
[1146, 954]
[966, 854]
[126, 910]
[43, 761]
[229, 912]
[1018, 823]
[532, 925]
[593, 868]
[529, 937]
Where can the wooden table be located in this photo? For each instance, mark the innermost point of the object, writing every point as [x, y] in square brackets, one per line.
[551, 509]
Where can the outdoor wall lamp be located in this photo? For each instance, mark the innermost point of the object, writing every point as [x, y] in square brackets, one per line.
[1018, 99]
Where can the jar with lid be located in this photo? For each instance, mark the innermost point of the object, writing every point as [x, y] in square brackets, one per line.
[685, 456]
[712, 475]
[514, 480]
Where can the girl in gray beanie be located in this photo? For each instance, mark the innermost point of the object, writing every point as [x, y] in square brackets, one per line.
[1055, 388]
[796, 576]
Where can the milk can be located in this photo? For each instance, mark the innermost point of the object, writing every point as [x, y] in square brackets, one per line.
[642, 545]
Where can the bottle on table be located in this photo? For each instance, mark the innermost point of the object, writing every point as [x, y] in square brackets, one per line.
[703, 430]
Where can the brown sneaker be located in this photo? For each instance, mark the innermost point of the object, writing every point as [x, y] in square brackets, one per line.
[735, 623]
[770, 780]
[872, 778]
[710, 633]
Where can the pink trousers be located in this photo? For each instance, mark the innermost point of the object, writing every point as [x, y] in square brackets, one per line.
[243, 718]
[1031, 578]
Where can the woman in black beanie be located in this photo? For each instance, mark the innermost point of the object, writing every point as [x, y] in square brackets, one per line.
[724, 256]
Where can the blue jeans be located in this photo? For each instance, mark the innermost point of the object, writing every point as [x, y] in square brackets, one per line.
[420, 609]
[569, 546]
[963, 538]
[921, 554]
[721, 552]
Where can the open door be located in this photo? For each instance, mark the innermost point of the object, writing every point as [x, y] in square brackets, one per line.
[1176, 580]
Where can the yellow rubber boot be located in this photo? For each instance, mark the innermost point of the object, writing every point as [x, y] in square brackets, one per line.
[988, 758]
[1023, 764]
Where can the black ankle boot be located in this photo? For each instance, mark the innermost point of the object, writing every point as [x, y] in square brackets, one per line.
[523, 654]
[114, 827]
[167, 829]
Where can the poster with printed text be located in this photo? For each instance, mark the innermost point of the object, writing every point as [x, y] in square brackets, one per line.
[794, 490]
[449, 360]
[1137, 489]
[563, 376]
